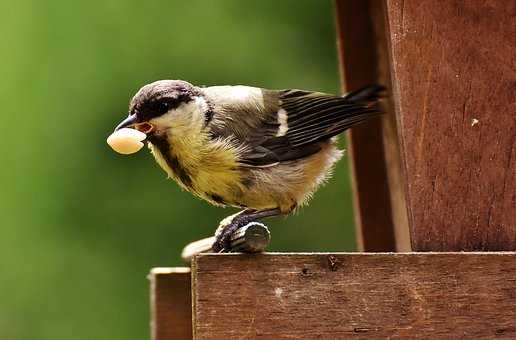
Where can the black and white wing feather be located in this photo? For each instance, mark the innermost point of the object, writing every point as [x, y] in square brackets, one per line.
[313, 117]
[291, 124]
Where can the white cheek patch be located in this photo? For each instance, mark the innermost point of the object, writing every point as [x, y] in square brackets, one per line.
[187, 116]
[163, 121]
[282, 121]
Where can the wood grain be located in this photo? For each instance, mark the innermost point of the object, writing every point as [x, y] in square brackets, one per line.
[171, 304]
[454, 80]
[380, 210]
[363, 296]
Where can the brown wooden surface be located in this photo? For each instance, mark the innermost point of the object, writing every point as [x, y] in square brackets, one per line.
[171, 304]
[375, 164]
[362, 296]
[454, 79]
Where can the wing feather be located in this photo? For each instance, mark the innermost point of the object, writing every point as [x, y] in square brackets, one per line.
[312, 118]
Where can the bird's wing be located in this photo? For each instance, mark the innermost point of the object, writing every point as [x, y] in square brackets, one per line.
[285, 125]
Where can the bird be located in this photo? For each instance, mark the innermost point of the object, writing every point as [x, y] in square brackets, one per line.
[263, 151]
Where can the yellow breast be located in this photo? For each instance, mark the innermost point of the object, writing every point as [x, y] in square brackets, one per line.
[207, 168]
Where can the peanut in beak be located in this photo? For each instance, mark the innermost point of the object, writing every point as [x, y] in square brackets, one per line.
[126, 141]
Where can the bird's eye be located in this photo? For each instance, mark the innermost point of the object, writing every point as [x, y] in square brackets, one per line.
[162, 107]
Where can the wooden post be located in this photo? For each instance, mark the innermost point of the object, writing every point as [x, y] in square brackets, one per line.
[375, 163]
[454, 84]
[171, 304]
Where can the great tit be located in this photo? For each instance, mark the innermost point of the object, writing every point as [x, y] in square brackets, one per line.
[264, 151]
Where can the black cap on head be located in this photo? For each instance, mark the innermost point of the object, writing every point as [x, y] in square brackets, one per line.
[156, 99]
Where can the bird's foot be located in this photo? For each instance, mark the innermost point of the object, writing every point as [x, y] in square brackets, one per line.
[232, 223]
[225, 230]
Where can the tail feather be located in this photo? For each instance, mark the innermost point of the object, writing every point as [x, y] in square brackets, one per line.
[366, 94]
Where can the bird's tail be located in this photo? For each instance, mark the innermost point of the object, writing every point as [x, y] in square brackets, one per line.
[370, 93]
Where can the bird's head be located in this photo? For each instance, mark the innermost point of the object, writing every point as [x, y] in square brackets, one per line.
[165, 104]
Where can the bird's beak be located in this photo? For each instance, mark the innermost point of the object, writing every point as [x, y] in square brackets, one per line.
[132, 121]
[128, 122]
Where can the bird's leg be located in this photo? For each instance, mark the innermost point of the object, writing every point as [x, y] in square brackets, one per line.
[234, 222]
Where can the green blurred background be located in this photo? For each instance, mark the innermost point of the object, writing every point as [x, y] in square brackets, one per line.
[81, 225]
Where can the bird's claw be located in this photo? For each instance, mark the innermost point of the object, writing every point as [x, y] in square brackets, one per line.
[223, 236]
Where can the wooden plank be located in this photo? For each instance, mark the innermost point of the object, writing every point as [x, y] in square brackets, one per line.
[454, 82]
[380, 209]
[364, 296]
[171, 304]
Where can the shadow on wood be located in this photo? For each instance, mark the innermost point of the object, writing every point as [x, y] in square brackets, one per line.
[375, 164]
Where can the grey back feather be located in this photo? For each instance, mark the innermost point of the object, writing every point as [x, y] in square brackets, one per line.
[311, 119]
